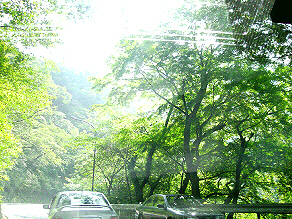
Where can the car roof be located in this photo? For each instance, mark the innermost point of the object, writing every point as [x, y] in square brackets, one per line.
[173, 195]
[79, 192]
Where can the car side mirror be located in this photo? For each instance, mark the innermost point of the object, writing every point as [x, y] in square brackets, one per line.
[160, 205]
[46, 206]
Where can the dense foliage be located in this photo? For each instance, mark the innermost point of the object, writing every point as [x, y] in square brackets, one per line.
[32, 138]
[227, 112]
[23, 93]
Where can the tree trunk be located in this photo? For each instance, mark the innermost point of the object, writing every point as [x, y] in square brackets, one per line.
[192, 171]
[138, 186]
[195, 184]
[154, 185]
[236, 189]
[128, 183]
[184, 184]
[135, 180]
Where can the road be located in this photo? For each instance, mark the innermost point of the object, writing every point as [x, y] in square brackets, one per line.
[20, 211]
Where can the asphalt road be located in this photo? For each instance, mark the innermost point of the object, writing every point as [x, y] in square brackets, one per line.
[19, 211]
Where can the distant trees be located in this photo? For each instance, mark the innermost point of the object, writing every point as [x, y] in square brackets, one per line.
[41, 168]
[26, 91]
[44, 137]
[23, 93]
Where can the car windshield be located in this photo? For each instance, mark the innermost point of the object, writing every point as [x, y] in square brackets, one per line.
[181, 201]
[145, 98]
[82, 199]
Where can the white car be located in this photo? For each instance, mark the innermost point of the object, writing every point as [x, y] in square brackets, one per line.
[80, 204]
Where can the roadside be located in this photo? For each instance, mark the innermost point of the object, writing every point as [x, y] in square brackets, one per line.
[20, 211]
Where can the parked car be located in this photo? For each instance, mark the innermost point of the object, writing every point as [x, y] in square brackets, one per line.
[80, 204]
[175, 207]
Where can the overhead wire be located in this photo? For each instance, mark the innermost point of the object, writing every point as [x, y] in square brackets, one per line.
[156, 35]
[180, 41]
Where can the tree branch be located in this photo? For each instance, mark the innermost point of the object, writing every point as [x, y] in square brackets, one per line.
[170, 103]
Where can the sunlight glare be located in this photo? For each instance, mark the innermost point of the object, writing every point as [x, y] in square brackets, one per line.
[88, 44]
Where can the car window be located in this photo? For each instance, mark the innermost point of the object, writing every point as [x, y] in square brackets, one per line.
[85, 199]
[149, 202]
[159, 200]
[64, 200]
[182, 201]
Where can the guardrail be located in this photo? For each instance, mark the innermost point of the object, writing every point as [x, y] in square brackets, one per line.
[252, 208]
[127, 211]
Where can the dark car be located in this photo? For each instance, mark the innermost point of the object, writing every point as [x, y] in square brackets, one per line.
[175, 207]
[80, 204]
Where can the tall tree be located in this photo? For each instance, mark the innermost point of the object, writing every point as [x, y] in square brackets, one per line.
[202, 84]
[186, 77]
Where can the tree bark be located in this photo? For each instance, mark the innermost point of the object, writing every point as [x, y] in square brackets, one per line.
[192, 170]
[184, 184]
[195, 185]
[236, 188]
[138, 186]
[135, 180]
[128, 183]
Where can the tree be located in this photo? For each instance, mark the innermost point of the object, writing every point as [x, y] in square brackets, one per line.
[260, 110]
[140, 142]
[261, 40]
[202, 84]
[186, 77]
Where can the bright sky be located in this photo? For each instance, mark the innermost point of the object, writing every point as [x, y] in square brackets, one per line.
[87, 45]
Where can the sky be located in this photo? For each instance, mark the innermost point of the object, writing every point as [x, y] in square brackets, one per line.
[88, 44]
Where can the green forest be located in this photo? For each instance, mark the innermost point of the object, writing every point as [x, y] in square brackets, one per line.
[172, 116]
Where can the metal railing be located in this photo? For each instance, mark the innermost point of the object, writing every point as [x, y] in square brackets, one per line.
[252, 208]
[127, 211]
